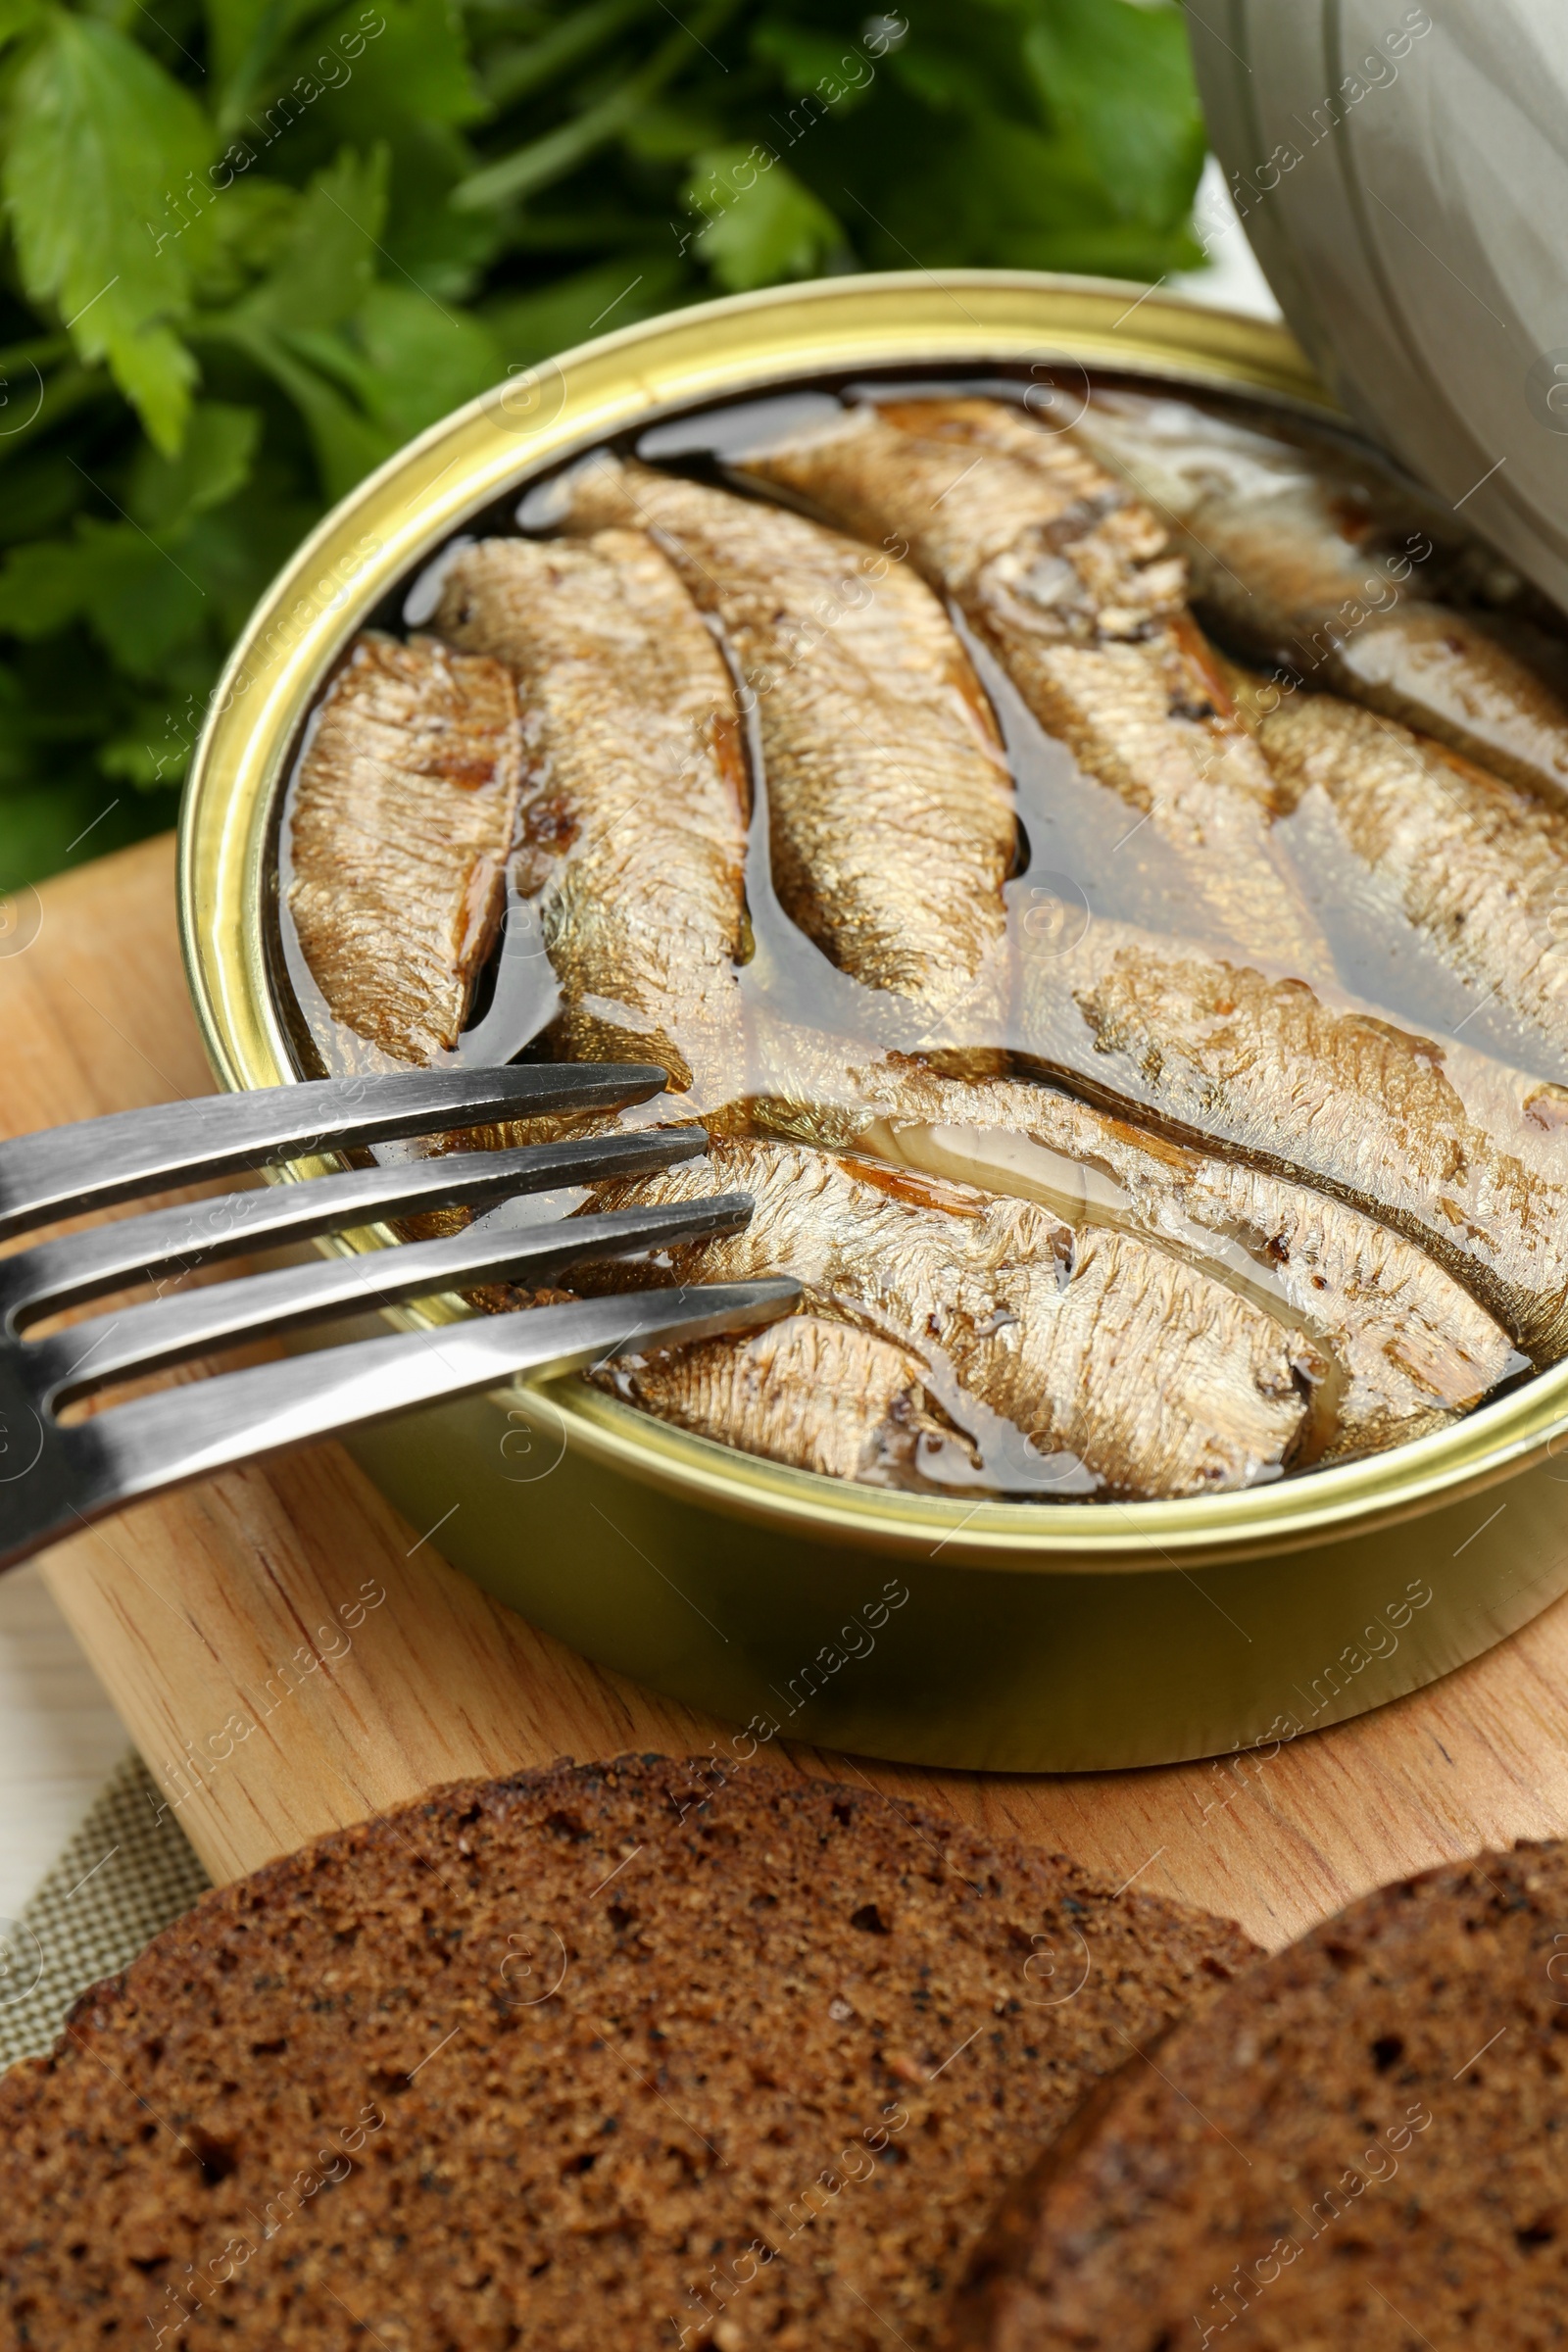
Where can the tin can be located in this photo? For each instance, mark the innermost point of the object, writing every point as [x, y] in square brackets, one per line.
[1401, 171]
[986, 1635]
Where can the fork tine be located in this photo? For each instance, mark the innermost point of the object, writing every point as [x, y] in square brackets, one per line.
[227, 1314]
[187, 1433]
[66, 1169]
[84, 1266]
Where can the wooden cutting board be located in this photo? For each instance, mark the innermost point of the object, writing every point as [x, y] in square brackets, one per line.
[401, 1673]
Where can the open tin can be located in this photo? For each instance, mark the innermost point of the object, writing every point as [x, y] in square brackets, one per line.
[982, 1634]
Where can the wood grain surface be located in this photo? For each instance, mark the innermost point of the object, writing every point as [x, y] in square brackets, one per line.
[285, 1625]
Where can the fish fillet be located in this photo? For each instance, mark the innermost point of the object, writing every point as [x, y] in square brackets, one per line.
[890, 805]
[1414, 1350]
[1304, 558]
[823, 1396]
[400, 822]
[1461, 1154]
[1099, 1348]
[1478, 866]
[1069, 580]
[634, 815]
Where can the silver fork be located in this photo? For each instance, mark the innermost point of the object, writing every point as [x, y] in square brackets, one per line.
[54, 1476]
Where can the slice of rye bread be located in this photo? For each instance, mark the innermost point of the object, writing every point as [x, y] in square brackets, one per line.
[601, 2057]
[1362, 2143]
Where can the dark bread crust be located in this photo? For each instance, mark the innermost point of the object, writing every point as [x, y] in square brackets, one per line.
[793, 2049]
[1359, 2143]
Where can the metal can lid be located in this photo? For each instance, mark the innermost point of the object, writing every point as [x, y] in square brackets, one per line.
[1402, 175]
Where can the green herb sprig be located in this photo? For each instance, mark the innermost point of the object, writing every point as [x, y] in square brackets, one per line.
[254, 245]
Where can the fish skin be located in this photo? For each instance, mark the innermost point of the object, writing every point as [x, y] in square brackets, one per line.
[1478, 866]
[890, 804]
[400, 826]
[1101, 1347]
[1459, 1152]
[1414, 1350]
[1288, 546]
[635, 808]
[820, 1394]
[1070, 581]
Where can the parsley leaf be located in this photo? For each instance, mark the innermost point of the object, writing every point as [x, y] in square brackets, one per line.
[256, 244]
[104, 144]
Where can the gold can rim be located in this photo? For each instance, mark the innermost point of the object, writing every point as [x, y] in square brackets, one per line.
[401, 515]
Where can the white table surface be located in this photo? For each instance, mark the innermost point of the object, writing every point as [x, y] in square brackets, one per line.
[59, 1734]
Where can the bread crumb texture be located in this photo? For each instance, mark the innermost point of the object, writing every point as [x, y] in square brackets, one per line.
[642, 2055]
[1362, 2142]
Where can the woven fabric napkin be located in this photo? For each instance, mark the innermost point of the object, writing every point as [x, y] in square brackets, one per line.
[126, 1872]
